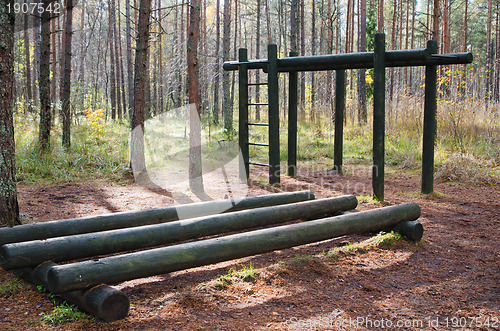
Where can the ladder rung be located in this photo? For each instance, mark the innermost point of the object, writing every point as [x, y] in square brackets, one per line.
[258, 144]
[257, 104]
[256, 84]
[258, 124]
[259, 164]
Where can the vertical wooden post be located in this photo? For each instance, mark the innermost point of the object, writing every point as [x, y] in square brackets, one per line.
[339, 119]
[429, 134]
[274, 116]
[378, 117]
[243, 114]
[292, 121]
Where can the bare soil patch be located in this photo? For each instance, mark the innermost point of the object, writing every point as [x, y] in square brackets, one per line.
[451, 277]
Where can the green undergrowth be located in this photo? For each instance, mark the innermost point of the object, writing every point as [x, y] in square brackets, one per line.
[92, 155]
[461, 154]
[466, 144]
[62, 314]
[381, 240]
[244, 273]
[9, 287]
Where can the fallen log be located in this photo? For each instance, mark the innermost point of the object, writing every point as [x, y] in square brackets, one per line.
[119, 220]
[31, 253]
[147, 263]
[103, 301]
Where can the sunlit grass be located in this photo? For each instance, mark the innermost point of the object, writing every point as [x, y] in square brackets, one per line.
[467, 143]
[90, 157]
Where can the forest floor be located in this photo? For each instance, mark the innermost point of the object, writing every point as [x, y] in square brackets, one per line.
[450, 280]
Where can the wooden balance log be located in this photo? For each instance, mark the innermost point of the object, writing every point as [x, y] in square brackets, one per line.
[67, 227]
[32, 253]
[114, 269]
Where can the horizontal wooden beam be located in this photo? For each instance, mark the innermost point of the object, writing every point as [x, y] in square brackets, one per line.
[31, 253]
[67, 227]
[158, 261]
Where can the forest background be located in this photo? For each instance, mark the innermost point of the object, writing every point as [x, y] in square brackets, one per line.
[75, 101]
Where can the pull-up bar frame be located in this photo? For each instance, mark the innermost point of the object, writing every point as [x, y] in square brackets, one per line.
[379, 59]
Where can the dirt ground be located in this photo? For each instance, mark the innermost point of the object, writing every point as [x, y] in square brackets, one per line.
[450, 280]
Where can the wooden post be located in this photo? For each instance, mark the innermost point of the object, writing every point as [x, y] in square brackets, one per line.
[378, 117]
[429, 134]
[339, 119]
[274, 115]
[292, 121]
[243, 115]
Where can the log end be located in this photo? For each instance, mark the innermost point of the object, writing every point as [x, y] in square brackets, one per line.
[410, 229]
[107, 303]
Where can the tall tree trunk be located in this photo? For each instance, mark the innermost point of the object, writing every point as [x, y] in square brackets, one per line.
[114, 42]
[313, 52]
[348, 27]
[160, 60]
[130, 68]
[9, 209]
[121, 68]
[414, 9]
[180, 81]
[44, 82]
[257, 55]
[216, 87]
[380, 16]
[329, 48]
[293, 26]
[435, 21]
[393, 46]
[37, 25]
[362, 114]
[235, 47]
[66, 78]
[61, 48]
[464, 42]
[497, 53]
[82, 87]
[195, 170]
[227, 107]
[428, 20]
[112, 63]
[27, 72]
[138, 160]
[446, 44]
[268, 23]
[82, 46]
[407, 41]
[53, 85]
[489, 52]
[302, 100]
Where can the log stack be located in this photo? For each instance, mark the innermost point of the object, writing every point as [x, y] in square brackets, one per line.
[32, 254]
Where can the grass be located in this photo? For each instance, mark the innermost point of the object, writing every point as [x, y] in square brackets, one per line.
[245, 274]
[62, 314]
[466, 144]
[10, 287]
[381, 240]
[92, 155]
